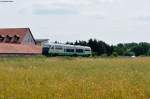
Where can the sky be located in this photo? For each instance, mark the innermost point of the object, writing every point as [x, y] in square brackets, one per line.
[113, 21]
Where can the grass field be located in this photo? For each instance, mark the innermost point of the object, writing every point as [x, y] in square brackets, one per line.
[74, 78]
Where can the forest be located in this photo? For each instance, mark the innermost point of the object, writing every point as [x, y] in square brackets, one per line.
[101, 48]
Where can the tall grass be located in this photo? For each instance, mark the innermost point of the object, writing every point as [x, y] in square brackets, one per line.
[74, 78]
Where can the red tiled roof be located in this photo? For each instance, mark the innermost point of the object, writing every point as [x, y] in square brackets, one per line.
[19, 49]
[21, 32]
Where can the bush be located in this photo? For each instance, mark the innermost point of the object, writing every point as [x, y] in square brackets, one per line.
[114, 54]
[94, 54]
[104, 55]
[128, 53]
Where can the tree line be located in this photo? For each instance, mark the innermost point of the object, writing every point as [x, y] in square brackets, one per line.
[101, 48]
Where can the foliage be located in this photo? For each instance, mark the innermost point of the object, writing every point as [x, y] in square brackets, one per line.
[100, 48]
[114, 54]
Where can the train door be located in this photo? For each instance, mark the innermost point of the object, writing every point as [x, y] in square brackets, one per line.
[45, 50]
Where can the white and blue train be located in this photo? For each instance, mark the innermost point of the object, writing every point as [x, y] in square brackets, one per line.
[66, 50]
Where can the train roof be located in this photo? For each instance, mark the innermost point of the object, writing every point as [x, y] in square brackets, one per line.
[60, 44]
[67, 45]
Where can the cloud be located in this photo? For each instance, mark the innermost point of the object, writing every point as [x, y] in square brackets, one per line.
[95, 8]
[109, 20]
[41, 11]
[65, 7]
[142, 17]
[146, 18]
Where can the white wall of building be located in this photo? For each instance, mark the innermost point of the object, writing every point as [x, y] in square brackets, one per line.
[28, 39]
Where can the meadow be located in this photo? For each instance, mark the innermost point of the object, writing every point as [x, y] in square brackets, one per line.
[74, 78]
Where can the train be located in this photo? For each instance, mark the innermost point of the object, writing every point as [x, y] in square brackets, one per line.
[66, 50]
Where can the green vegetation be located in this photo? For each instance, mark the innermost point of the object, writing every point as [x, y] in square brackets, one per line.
[74, 78]
[101, 48]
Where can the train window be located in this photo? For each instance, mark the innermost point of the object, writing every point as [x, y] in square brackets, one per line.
[87, 50]
[79, 50]
[58, 47]
[52, 47]
[69, 50]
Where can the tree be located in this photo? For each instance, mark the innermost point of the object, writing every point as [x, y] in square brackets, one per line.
[71, 43]
[141, 49]
[120, 49]
[123, 49]
[100, 47]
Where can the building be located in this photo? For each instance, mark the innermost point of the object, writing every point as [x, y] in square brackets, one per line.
[16, 36]
[19, 49]
[41, 42]
[18, 41]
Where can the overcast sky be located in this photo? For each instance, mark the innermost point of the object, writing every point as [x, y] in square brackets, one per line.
[112, 21]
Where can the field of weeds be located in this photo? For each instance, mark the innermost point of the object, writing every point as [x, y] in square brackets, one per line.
[74, 78]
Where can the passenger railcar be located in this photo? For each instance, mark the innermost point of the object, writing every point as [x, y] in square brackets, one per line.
[66, 50]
